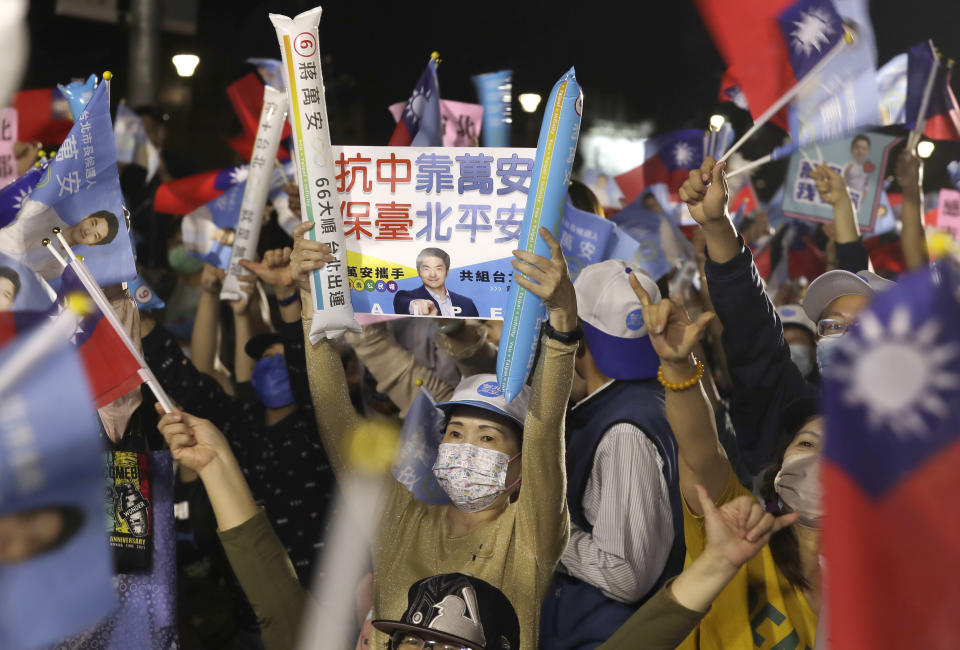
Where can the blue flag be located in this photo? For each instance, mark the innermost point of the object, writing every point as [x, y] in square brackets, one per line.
[21, 289]
[419, 124]
[645, 227]
[79, 193]
[13, 195]
[419, 442]
[494, 90]
[588, 239]
[921, 59]
[52, 464]
[892, 89]
[843, 99]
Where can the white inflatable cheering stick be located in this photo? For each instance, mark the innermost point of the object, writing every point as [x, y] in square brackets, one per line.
[319, 200]
[254, 200]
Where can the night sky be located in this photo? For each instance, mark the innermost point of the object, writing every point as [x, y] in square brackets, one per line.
[634, 60]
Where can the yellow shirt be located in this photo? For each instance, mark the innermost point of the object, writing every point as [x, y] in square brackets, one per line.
[517, 552]
[759, 609]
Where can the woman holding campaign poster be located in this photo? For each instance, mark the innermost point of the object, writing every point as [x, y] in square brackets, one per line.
[507, 533]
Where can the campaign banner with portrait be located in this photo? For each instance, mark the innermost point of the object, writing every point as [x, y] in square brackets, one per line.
[861, 159]
[430, 230]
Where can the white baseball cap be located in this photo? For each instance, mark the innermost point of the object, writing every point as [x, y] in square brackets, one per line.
[838, 283]
[613, 319]
[794, 315]
[483, 391]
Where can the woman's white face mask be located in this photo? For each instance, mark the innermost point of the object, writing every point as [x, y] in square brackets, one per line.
[798, 486]
[473, 477]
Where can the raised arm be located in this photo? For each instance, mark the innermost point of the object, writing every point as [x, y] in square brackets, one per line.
[543, 502]
[336, 417]
[913, 240]
[396, 370]
[736, 531]
[243, 328]
[851, 253]
[203, 341]
[253, 549]
[673, 336]
[758, 358]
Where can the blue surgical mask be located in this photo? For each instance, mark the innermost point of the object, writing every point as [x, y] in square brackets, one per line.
[272, 382]
[827, 350]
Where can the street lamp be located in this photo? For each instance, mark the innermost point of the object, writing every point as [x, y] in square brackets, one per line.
[186, 64]
[529, 101]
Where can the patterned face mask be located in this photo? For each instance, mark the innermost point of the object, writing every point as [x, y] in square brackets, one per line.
[473, 477]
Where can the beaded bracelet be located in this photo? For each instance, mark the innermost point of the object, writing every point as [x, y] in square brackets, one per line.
[683, 385]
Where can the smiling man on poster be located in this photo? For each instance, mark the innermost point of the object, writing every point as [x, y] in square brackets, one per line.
[433, 298]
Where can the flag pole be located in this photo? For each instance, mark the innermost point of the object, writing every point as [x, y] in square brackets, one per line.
[37, 347]
[753, 164]
[848, 37]
[914, 138]
[98, 297]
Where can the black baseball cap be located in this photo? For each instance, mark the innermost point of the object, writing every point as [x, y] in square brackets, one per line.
[258, 344]
[461, 609]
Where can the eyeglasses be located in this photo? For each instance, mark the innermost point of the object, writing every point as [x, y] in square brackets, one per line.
[407, 641]
[830, 327]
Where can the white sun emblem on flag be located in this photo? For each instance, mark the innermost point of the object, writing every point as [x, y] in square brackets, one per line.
[417, 102]
[239, 174]
[682, 154]
[20, 198]
[812, 31]
[899, 373]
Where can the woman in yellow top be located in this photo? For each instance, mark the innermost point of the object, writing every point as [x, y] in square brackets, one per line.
[774, 599]
[493, 529]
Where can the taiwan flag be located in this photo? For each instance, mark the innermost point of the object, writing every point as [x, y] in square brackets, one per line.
[186, 194]
[420, 123]
[44, 115]
[246, 97]
[891, 531]
[676, 154]
[942, 113]
[111, 369]
[769, 45]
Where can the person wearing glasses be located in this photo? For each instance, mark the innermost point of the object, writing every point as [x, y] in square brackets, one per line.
[765, 379]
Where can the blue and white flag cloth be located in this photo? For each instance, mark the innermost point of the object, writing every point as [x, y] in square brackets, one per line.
[589, 239]
[21, 288]
[51, 462]
[79, 192]
[419, 443]
[892, 90]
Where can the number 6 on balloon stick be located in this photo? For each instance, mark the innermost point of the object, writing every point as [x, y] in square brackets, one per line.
[556, 149]
[319, 199]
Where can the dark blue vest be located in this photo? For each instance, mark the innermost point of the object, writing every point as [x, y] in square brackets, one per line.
[576, 615]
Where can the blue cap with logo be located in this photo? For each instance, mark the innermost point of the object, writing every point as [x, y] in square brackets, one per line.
[613, 320]
[483, 391]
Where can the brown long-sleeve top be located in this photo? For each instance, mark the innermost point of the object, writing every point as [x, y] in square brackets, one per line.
[516, 552]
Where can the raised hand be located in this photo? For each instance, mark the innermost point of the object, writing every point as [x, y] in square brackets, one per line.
[705, 192]
[307, 256]
[247, 284]
[737, 530]
[550, 281]
[909, 173]
[273, 269]
[671, 332]
[423, 308]
[194, 442]
[830, 184]
[211, 278]
[293, 191]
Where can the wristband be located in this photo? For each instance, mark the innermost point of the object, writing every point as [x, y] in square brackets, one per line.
[289, 300]
[563, 337]
[683, 385]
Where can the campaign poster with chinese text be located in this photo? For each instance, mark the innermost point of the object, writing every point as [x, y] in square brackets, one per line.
[861, 159]
[430, 230]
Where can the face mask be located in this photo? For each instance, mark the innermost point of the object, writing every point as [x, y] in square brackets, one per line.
[271, 382]
[798, 486]
[183, 262]
[826, 350]
[800, 355]
[473, 477]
